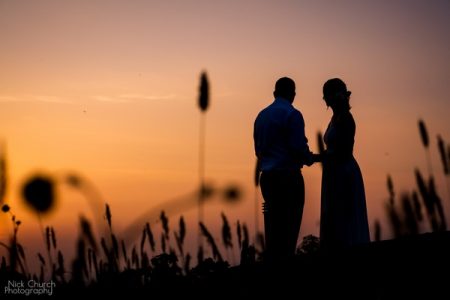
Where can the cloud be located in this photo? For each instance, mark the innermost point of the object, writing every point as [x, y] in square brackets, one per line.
[147, 97]
[34, 98]
[8, 99]
[109, 99]
[51, 99]
[129, 98]
[123, 98]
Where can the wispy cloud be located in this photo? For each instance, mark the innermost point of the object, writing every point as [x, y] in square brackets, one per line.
[147, 97]
[51, 99]
[123, 98]
[34, 98]
[128, 98]
[109, 99]
[8, 99]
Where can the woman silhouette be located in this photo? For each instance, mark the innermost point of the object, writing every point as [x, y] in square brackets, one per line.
[343, 220]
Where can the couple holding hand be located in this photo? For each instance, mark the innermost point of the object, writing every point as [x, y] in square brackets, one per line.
[282, 149]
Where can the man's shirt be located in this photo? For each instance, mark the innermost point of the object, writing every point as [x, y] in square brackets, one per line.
[279, 137]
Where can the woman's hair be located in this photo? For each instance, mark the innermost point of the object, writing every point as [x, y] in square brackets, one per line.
[334, 86]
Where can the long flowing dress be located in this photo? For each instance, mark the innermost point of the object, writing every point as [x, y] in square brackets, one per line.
[343, 221]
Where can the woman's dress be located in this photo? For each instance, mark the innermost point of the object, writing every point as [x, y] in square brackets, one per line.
[343, 221]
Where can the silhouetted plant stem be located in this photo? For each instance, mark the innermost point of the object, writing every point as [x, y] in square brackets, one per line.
[4, 246]
[394, 218]
[226, 235]
[447, 181]
[125, 255]
[14, 257]
[436, 200]
[144, 235]
[430, 168]
[411, 225]
[46, 239]
[211, 242]
[179, 238]
[448, 156]
[203, 103]
[239, 234]
[3, 177]
[151, 239]
[92, 196]
[173, 206]
[448, 175]
[426, 143]
[445, 163]
[417, 208]
[201, 172]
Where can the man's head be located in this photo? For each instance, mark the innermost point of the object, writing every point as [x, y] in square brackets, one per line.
[285, 88]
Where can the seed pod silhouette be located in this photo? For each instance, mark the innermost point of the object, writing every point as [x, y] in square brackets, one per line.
[226, 232]
[448, 155]
[423, 134]
[231, 193]
[39, 193]
[5, 208]
[426, 143]
[445, 162]
[390, 186]
[203, 99]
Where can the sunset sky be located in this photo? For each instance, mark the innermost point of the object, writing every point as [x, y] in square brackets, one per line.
[108, 90]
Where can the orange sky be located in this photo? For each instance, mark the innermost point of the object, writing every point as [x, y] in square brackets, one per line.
[108, 89]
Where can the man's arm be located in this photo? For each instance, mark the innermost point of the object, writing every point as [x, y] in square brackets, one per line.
[297, 139]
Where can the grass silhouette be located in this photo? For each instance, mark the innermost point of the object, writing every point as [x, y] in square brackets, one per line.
[111, 266]
[423, 204]
[374, 271]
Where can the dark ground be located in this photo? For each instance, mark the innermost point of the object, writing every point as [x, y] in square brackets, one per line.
[416, 267]
[408, 268]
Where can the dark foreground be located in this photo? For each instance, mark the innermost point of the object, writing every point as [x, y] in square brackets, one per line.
[409, 268]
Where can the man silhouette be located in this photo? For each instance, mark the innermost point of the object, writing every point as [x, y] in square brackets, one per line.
[282, 149]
